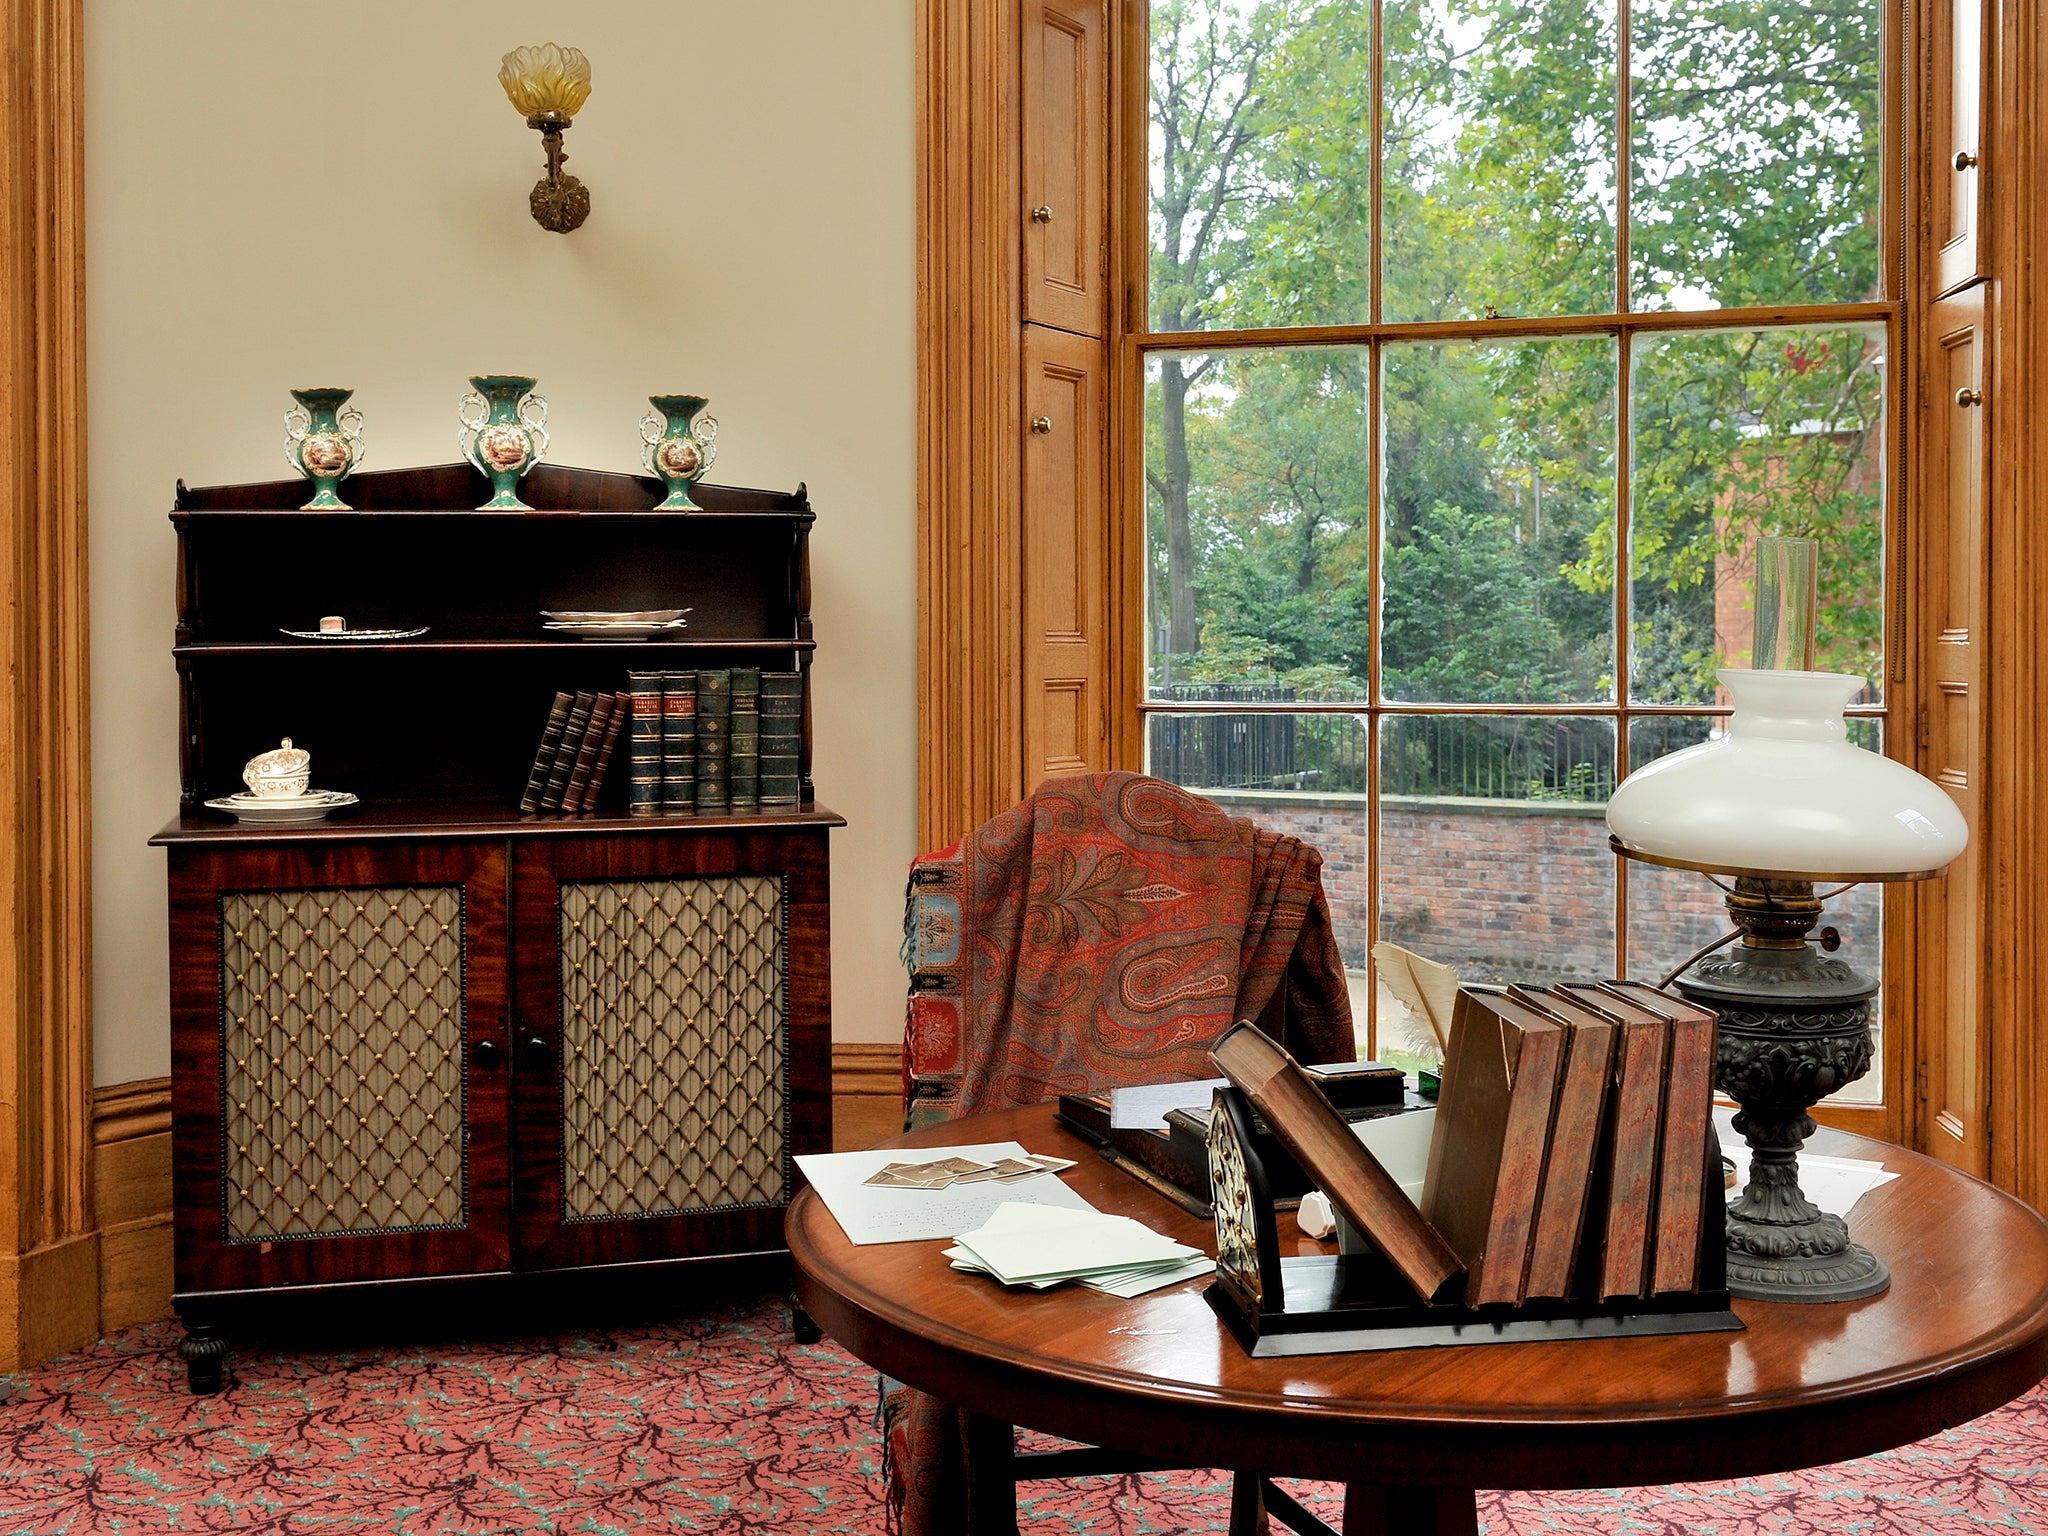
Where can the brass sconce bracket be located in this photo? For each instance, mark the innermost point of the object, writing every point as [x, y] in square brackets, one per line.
[559, 201]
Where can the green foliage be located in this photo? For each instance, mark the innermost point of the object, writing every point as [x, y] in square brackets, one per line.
[1755, 151]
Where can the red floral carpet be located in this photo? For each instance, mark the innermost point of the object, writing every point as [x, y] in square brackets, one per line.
[720, 1424]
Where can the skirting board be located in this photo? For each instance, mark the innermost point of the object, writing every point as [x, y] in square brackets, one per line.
[132, 1170]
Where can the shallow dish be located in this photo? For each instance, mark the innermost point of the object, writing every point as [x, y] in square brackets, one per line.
[353, 634]
[275, 810]
[613, 616]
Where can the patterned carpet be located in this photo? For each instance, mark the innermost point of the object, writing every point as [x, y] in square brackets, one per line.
[720, 1424]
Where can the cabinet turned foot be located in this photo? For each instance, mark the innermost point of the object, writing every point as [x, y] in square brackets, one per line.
[800, 1325]
[206, 1358]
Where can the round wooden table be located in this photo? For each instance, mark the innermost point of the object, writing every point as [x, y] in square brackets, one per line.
[1963, 1329]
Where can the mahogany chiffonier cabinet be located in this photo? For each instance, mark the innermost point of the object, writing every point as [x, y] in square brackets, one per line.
[433, 1038]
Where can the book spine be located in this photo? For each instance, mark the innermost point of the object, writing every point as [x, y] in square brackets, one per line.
[543, 760]
[586, 754]
[565, 758]
[1581, 1107]
[1632, 1186]
[782, 729]
[679, 743]
[644, 745]
[745, 778]
[1688, 1112]
[1525, 1152]
[714, 739]
[622, 706]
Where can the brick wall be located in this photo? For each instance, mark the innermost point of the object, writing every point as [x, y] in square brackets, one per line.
[1512, 889]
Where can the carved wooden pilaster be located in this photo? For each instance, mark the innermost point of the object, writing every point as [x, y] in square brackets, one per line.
[49, 1286]
[969, 542]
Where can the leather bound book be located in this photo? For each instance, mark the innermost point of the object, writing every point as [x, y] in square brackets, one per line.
[1639, 1070]
[1337, 1161]
[586, 753]
[1492, 1136]
[1575, 1139]
[678, 743]
[614, 725]
[782, 735]
[714, 738]
[643, 745]
[565, 755]
[550, 743]
[1683, 1166]
[744, 781]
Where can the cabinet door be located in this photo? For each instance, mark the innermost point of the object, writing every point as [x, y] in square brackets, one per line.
[1066, 165]
[1066, 557]
[338, 1071]
[1953, 1070]
[672, 1021]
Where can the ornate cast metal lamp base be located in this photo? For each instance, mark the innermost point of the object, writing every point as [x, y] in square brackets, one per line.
[1795, 1026]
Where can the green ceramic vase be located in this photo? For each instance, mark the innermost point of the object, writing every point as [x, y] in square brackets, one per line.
[503, 434]
[323, 440]
[680, 448]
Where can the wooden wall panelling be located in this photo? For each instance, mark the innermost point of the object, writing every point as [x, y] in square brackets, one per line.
[131, 1191]
[2016, 810]
[970, 762]
[867, 1093]
[49, 1260]
[1956, 169]
[1951, 553]
[1066, 164]
[1066, 575]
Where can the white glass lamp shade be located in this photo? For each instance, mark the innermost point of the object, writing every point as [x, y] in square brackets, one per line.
[1784, 795]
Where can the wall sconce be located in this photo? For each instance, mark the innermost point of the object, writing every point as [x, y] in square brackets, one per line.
[548, 85]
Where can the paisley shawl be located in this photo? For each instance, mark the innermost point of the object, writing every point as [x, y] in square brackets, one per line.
[1102, 933]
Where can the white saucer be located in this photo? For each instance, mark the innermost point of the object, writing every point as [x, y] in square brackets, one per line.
[613, 616]
[354, 634]
[313, 805]
[615, 629]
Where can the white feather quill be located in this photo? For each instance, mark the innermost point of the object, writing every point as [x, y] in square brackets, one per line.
[1428, 988]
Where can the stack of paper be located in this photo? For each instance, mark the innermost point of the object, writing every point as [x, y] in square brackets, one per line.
[1041, 1246]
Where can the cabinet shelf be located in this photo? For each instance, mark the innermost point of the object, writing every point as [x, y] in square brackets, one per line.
[418, 820]
[296, 648]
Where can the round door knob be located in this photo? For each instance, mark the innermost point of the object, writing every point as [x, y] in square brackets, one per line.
[1963, 160]
[1041, 214]
[1967, 396]
[487, 1054]
[536, 1050]
[1041, 425]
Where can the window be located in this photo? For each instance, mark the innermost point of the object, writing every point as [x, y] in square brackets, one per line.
[1484, 341]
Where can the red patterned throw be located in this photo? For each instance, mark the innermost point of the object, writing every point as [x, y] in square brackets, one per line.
[1104, 933]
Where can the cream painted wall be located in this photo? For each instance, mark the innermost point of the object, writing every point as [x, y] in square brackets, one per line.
[294, 194]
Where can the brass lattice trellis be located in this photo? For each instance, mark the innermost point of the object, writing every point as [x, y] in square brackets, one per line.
[675, 1018]
[342, 1028]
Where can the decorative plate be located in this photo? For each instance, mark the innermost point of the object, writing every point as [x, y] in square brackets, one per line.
[618, 616]
[354, 634]
[273, 810]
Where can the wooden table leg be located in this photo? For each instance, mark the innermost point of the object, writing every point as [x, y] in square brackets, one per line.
[1372, 1509]
[991, 1447]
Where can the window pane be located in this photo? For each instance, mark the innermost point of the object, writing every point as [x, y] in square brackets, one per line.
[1755, 152]
[1738, 434]
[1257, 471]
[1499, 158]
[1261, 180]
[1674, 912]
[1503, 873]
[1499, 503]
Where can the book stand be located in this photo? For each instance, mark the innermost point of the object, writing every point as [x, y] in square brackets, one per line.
[1340, 1304]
